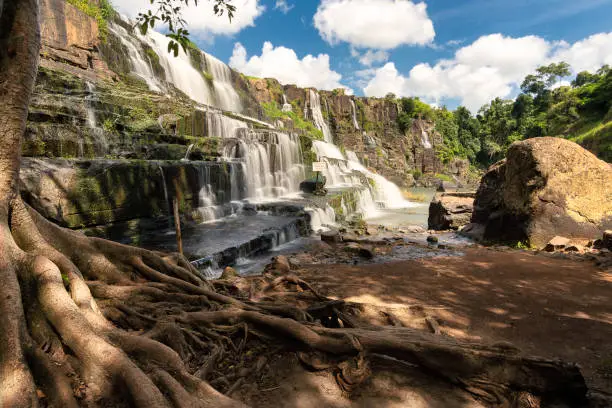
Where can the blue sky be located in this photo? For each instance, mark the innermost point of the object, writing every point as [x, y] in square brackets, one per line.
[445, 51]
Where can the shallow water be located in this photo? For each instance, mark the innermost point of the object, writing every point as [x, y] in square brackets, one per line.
[416, 215]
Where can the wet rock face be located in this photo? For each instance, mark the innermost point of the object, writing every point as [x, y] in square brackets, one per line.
[79, 194]
[546, 187]
[450, 211]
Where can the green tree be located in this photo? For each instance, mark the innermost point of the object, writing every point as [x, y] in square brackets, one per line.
[538, 85]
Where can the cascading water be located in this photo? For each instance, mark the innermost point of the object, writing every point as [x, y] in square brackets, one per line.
[425, 139]
[354, 114]
[140, 67]
[321, 219]
[224, 91]
[258, 163]
[213, 88]
[189, 148]
[99, 137]
[272, 162]
[317, 116]
[374, 192]
[220, 125]
[286, 105]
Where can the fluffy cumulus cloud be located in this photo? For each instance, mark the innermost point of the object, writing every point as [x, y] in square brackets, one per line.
[375, 24]
[283, 64]
[200, 19]
[588, 54]
[492, 66]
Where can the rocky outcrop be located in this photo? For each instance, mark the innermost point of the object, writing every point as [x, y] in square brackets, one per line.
[450, 211]
[71, 40]
[368, 127]
[546, 187]
[80, 194]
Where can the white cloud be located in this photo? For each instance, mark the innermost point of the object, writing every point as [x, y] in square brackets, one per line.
[492, 66]
[201, 19]
[377, 24]
[283, 6]
[454, 43]
[283, 64]
[371, 57]
[588, 54]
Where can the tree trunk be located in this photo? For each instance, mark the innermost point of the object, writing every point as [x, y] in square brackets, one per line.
[19, 53]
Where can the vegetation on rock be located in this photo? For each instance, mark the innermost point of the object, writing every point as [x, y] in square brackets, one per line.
[580, 112]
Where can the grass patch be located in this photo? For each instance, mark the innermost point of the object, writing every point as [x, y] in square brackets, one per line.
[414, 196]
[272, 111]
[443, 177]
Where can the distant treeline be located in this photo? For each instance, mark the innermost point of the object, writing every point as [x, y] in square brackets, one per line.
[546, 106]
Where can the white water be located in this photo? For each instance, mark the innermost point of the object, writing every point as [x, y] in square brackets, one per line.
[140, 67]
[354, 113]
[321, 219]
[317, 115]
[91, 114]
[220, 125]
[342, 171]
[101, 143]
[263, 164]
[425, 139]
[189, 148]
[271, 161]
[286, 105]
[178, 70]
[224, 91]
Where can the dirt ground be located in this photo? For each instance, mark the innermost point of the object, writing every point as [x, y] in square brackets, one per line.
[547, 307]
[555, 308]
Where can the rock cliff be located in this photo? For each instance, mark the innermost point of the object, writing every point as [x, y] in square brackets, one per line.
[366, 126]
[94, 113]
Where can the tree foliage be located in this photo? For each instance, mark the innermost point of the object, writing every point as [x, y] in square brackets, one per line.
[169, 13]
[543, 108]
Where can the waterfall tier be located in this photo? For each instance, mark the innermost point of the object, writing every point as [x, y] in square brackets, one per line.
[210, 84]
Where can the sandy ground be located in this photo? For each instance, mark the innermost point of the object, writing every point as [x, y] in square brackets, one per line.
[555, 308]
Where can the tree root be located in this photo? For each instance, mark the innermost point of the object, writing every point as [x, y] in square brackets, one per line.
[104, 324]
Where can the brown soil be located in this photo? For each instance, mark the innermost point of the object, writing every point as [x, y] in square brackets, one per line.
[556, 308]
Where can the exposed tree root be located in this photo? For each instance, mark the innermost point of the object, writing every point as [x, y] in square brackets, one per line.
[103, 324]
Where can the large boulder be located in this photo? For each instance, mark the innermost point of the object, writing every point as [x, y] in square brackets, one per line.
[450, 211]
[546, 187]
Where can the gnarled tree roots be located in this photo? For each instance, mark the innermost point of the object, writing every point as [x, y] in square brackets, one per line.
[88, 322]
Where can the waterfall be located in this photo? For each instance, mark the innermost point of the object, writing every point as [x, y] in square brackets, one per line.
[271, 162]
[208, 206]
[224, 91]
[189, 148]
[286, 105]
[373, 190]
[321, 219]
[354, 113]
[140, 67]
[317, 116]
[213, 88]
[425, 139]
[100, 140]
[179, 71]
[89, 99]
[222, 126]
